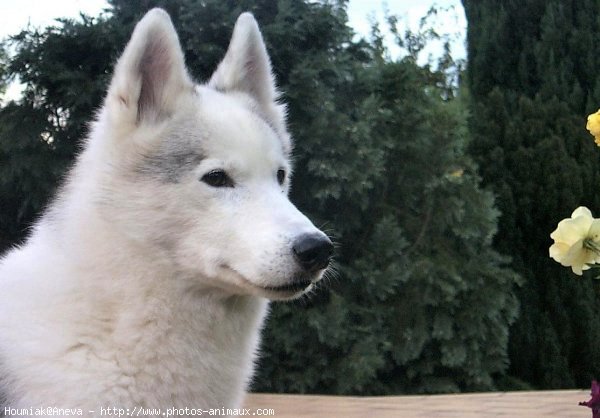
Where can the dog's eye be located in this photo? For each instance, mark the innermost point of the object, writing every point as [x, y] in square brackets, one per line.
[217, 178]
[281, 176]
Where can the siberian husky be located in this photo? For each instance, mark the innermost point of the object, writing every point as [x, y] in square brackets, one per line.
[146, 282]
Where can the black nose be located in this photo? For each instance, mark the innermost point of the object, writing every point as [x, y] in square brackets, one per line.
[313, 251]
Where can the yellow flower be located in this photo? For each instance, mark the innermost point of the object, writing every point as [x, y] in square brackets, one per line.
[593, 125]
[457, 173]
[577, 241]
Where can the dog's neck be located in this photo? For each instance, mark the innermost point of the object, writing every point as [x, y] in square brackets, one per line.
[157, 318]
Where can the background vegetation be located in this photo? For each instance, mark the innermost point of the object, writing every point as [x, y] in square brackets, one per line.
[534, 78]
[389, 160]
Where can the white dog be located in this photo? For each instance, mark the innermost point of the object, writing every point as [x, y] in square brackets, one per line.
[146, 282]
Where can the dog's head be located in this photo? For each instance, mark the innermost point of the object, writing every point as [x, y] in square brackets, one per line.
[201, 173]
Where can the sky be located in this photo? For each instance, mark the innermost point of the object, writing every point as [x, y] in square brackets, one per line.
[451, 20]
[17, 14]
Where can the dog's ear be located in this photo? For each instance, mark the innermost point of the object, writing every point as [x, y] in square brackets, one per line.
[247, 68]
[150, 75]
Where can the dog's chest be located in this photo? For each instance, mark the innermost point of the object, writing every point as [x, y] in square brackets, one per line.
[156, 357]
[202, 358]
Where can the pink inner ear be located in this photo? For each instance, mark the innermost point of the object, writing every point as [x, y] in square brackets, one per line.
[248, 78]
[155, 69]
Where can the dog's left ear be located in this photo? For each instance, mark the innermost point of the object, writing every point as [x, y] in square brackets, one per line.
[246, 68]
[150, 77]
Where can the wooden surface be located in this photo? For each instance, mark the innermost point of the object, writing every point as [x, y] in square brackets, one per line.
[545, 404]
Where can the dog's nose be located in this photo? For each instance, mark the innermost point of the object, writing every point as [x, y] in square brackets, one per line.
[313, 251]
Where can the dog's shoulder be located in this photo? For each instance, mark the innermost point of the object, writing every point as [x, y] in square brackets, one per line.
[3, 394]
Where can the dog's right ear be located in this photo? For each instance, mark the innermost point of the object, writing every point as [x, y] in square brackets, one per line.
[246, 68]
[150, 75]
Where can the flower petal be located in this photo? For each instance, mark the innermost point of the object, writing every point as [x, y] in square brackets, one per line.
[578, 258]
[571, 230]
[582, 211]
[577, 240]
[593, 123]
[558, 250]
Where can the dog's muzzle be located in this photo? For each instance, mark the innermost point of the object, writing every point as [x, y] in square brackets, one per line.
[313, 251]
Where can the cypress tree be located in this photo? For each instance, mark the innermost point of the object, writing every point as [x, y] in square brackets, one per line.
[533, 80]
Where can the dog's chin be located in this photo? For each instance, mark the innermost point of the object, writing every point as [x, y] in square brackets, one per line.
[294, 288]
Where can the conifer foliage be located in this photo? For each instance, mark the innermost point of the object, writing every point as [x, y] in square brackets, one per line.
[533, 74]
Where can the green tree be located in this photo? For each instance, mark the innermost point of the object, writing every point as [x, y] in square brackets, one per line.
[64, 70]
[420, 301]
[533, 80]
[3, 70]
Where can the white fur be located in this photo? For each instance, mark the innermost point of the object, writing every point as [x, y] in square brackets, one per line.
[136, 290]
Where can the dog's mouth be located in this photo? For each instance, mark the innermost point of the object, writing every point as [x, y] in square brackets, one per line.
[294, 287]
[288, 291]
